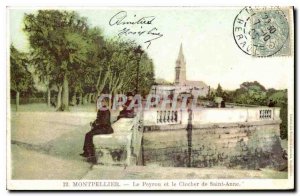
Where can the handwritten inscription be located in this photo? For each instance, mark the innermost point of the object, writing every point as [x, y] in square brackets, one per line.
[138, 26]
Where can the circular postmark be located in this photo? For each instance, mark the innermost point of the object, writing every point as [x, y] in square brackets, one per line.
[260, 31]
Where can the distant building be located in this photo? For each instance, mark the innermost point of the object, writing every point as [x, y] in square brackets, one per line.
[181, 84]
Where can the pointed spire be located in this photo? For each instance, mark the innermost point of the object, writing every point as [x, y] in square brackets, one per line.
[180, 71]
[180, 60]
[180, 55]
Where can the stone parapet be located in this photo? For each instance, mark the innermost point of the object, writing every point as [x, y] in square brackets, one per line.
[202, 116]
[249, 145]
[123, 146]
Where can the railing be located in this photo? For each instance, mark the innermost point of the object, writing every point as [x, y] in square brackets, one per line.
[167, 117]
[202, 116]
[265, 114]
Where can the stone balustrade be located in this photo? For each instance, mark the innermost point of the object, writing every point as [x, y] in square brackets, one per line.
[202, 116]
[246, 138]
[219, 136]
[167, 117]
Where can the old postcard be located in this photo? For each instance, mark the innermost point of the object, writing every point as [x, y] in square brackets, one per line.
[150, 98]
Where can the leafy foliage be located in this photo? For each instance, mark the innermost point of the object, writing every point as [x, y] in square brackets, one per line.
[57, 37]
[67, 53]
[281, 100]
[219, 91]
[253, 93]
[20, 78]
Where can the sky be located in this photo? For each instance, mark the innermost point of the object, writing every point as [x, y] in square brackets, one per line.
[211, 53]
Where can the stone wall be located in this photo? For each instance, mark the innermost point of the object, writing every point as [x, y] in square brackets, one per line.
[250, 145]
[123, 146]
[201, 116]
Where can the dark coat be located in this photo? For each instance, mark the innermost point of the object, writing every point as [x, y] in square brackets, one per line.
[126, 112]
[102, 122]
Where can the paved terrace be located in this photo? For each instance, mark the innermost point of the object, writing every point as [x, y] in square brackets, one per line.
[46, 145]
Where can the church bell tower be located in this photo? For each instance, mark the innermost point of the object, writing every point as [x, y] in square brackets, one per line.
[180, 69]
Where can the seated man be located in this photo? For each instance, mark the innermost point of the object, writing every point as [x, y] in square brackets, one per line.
[101, 125]
[127, 112]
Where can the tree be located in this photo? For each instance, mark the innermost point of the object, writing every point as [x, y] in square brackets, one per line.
[280, 98]
[120, 65]
[43, 68]
[219, 91]
[252, 85]
[146, 75]
[65, 50]
[251, 93]
[20, 78]
[120, 73]
[228, 96]
[86, 87]
[61, 37]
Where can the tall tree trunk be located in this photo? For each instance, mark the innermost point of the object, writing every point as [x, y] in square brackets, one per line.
[84, 101]
[89, 98]
[58, 103]
[65, 94]
[92, 98]
[17, 100]
[49, 97]
[80, 98]
[110, 101]
[95, 97]
[101, 84]
[73, 101]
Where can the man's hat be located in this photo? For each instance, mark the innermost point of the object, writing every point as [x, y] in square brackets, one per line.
[129, 94]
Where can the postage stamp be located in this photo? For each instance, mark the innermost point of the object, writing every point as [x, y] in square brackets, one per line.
[262, 31]
[150, 98]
